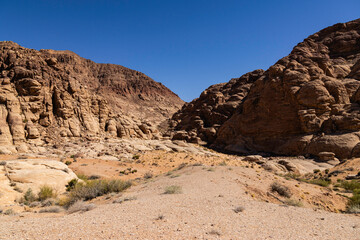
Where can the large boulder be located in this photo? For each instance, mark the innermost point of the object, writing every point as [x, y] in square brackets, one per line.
[19, 175]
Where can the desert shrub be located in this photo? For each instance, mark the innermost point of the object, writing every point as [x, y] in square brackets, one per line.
[295, 176]
[94, 188]
[28, 197]
[48, 202]
[46, 192]
[135, 157]
[316, 170]
[94, 177]
[2, 163]
[175, 175]
[238, 209]
[282, 190]
[353, 204]
[34, 204]
[215, 232]
[353, 209]
[125, 199]
[197, 164]
[71, 184]
[321, 182]
[16, 188]
[9, 212]
[350, 185]
[68, 162]
[148, 175]
[160, 217]
[54, 209]
[293, 202]
[173, 189]
[82, 176]
[181, 166]
[80, 206]
[223, 163]
[355, 200]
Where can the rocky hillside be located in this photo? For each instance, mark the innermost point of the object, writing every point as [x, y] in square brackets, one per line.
[306, 103]
[51, 95]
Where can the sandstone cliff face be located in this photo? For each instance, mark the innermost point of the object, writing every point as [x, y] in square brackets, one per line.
[307, 103]
[50, 95]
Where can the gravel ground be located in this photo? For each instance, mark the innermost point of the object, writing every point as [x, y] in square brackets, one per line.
[204, 210]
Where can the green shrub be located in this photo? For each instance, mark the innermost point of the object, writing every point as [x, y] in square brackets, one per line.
[28, 197]
[82, 176]
[46, 192]
[355, 200]
[321, 182]
[71, 184]
[68, 163]
[350, 185]
[94, 188]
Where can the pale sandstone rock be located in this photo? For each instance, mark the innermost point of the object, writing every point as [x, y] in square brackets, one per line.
[32, 173]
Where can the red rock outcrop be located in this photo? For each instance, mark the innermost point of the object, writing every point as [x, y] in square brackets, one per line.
[200, 119]
[306, 103]
[48, 95]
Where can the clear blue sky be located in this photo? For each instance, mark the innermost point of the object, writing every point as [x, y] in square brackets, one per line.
[186, 45]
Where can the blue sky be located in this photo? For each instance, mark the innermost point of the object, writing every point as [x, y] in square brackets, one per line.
[186, 45]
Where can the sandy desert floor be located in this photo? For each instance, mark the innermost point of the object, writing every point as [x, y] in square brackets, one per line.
[203, 210]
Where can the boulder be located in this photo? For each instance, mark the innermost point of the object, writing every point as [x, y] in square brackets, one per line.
[33, 174]
[326, 156]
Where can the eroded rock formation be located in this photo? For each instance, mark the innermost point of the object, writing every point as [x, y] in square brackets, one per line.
[307, 103]
[49, 95]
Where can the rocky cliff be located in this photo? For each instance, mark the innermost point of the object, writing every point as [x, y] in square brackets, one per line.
[306, 103]
[52, 95]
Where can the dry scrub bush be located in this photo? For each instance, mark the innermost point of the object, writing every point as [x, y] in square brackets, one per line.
[173, 189]
[54, 209]
[80, 206]
[282, 190]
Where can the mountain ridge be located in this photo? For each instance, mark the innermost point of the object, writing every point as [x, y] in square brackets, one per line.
[306, 103]
[46, 94]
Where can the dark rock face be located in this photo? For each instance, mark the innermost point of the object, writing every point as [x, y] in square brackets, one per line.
[307, 103]
[48, 95]
[202, 118]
